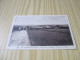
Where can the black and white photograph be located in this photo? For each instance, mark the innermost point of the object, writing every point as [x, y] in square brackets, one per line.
[41, 32]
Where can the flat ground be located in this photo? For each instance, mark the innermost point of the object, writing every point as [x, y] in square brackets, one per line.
[19, 38]
[49, 37]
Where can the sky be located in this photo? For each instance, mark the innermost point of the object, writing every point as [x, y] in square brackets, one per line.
[41, 20]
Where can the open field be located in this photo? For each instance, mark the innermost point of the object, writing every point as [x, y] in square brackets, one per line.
[41, 35]
[50, 37]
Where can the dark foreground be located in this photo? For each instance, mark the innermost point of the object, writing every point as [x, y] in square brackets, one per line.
[50, 37]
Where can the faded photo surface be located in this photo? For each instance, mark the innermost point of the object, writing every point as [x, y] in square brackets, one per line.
[40, 35]
[40, 31]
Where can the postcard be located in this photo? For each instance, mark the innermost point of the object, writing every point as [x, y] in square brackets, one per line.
[41, 32]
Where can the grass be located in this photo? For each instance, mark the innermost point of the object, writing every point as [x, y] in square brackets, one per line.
[50, 37]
